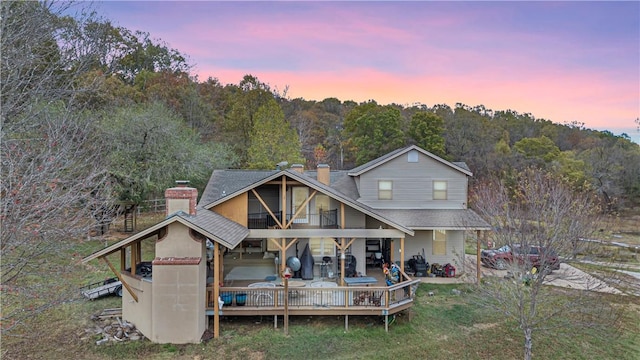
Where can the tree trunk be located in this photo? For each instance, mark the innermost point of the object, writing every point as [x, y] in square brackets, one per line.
[528, 344]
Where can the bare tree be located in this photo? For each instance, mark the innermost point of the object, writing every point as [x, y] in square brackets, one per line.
[53, 182]
[536, 210]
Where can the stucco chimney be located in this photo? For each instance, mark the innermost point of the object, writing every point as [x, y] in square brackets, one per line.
[324, 175]
[181, 198]
[298, 167]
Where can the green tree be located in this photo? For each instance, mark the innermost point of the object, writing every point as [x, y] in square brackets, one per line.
[237, 126]
[151, 147]
[426, 130]
[371, 131]
[541, 148]
[272, 139]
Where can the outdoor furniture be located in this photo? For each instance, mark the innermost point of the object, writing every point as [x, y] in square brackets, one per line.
[264, 295]
[363, 280]
[294, 284]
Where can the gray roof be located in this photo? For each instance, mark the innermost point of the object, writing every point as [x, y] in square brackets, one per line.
[231, 183]
[211, 225]
[386, 157]
[223, 183]
[441, 219]
[224, 231]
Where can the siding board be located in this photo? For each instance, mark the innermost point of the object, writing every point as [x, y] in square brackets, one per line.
[413, 184]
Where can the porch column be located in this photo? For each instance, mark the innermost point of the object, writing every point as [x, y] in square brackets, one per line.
[402, 254]
[216, 289]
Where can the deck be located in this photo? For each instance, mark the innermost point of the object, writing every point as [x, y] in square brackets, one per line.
[314, 298]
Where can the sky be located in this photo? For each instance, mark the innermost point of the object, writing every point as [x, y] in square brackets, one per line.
[567, 62]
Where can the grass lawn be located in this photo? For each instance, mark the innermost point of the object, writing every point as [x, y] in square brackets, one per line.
[444, 326]
[440, 326]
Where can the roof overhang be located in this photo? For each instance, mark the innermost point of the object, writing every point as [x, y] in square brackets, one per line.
[156, 229]
[332, 233]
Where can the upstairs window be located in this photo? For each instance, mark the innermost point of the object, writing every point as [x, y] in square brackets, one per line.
[385, 190]
[439, 190]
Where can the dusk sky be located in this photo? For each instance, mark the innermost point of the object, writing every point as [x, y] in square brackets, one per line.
[561, 61]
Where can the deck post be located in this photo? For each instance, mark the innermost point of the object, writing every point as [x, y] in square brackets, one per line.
[402, 254]
[286, 305]
[346, 323]
[478, 271]
[216, 289]
[386, 323]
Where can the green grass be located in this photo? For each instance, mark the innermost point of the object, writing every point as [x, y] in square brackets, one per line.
[440, 326]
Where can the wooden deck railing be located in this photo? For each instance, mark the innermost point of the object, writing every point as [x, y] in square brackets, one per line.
[309, 300]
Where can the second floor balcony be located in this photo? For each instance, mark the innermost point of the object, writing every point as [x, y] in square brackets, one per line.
[327, 219]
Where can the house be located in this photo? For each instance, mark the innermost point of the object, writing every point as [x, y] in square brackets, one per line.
[251, 225]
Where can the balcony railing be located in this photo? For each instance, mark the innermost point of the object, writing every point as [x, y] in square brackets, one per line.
[309, 300]
[323, 219]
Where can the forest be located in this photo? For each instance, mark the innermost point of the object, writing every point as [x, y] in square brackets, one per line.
[95, 114]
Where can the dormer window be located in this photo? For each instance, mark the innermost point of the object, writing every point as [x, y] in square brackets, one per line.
[412, 156]
[439, 190]
[385, 190]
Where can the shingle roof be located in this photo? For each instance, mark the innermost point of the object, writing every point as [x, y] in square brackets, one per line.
[442, 219]
[227, 232]
[384, 158]
[223, 183]
[213, 226]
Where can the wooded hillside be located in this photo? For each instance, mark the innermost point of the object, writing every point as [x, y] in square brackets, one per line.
[148, 120]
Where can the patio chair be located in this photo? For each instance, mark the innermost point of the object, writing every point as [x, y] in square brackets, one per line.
[262, 297]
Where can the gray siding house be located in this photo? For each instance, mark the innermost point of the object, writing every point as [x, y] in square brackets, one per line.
[403, 204]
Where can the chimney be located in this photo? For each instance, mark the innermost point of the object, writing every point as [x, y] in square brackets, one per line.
[181, 198]
[324, 174]
[298, 167]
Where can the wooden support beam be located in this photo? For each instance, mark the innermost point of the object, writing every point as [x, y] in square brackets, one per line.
[133, 258]
[283, 199]
[402, 254]
[302, 207]
[283, 251]
[126, 286]
[138, 245]
[264, 204]
[216, 289]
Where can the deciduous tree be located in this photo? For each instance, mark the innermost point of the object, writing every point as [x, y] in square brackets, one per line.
[372, 131]
[426, 129]
[272, 139]
[540, 209]
[54, 184]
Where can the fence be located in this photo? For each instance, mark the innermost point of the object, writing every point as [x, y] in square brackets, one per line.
[153, 205]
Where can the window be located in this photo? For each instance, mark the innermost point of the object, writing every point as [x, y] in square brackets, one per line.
[300, 195]
[385, 190]
[439, 190]
[439, 242]
[412, 156]
[322, 247]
